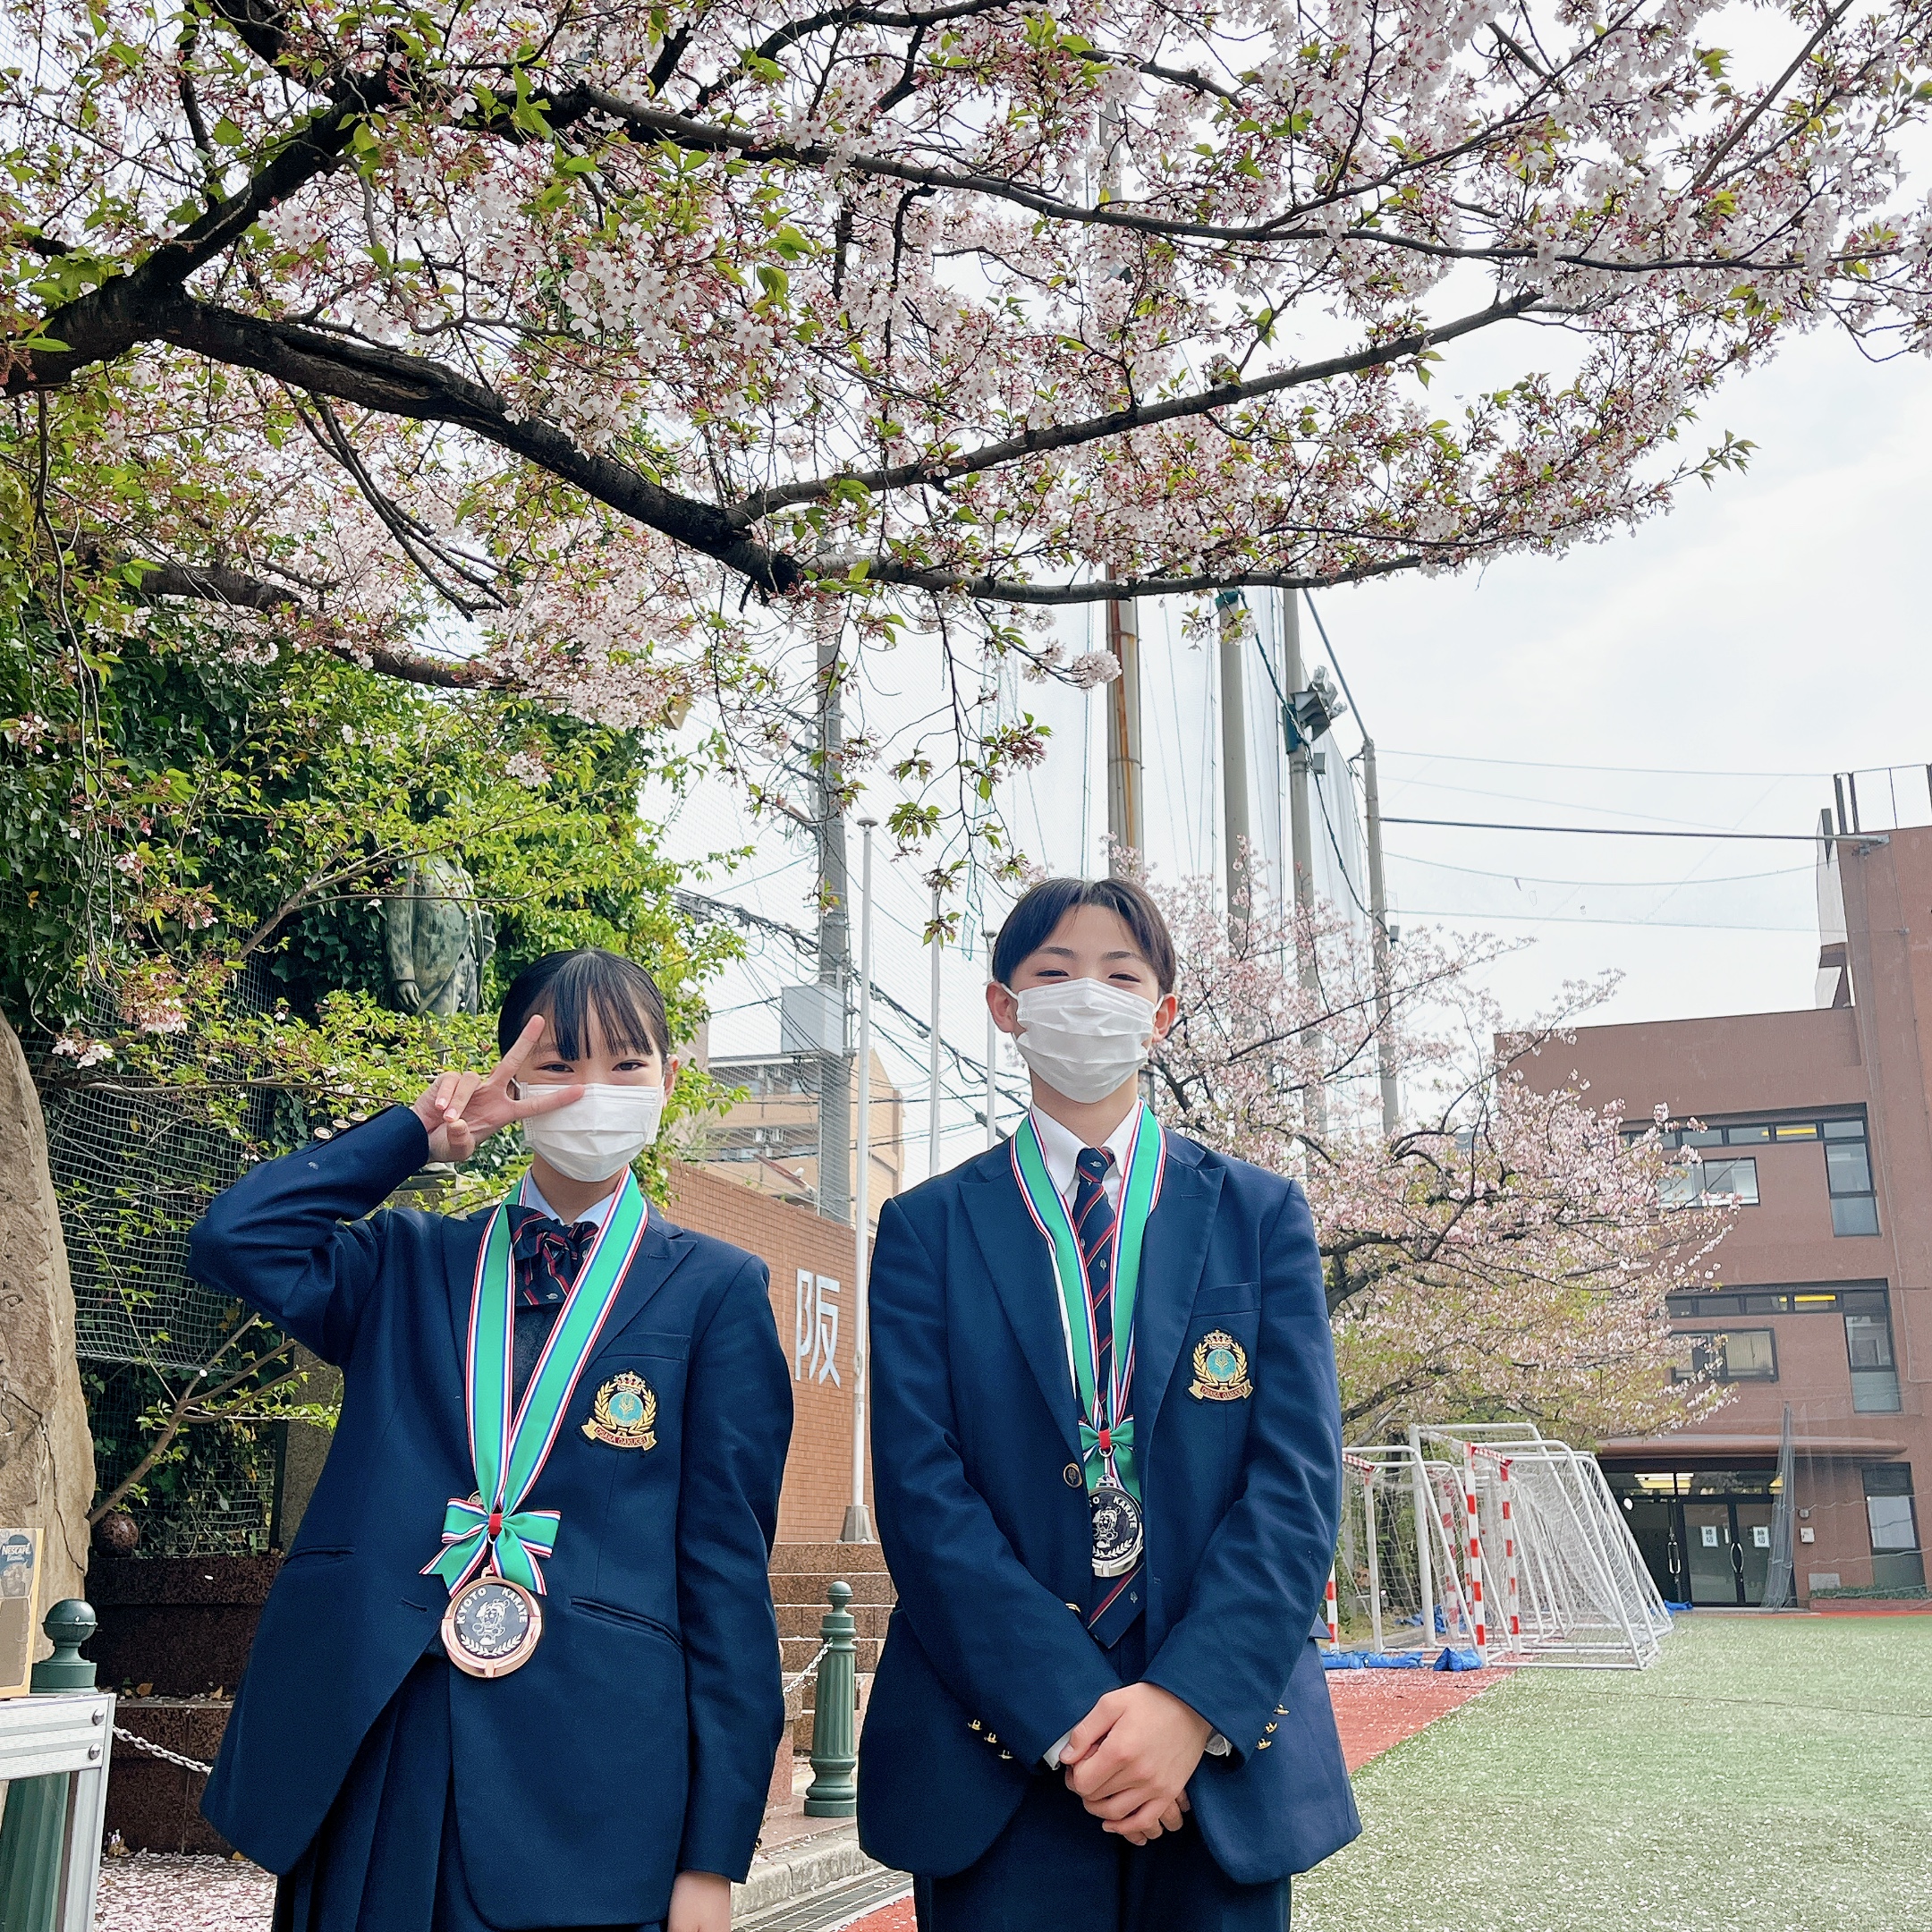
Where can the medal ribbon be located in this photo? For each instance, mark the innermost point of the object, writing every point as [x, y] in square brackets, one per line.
[1106, 1430]
[492, 1530]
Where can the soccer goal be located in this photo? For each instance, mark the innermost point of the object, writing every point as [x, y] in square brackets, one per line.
[1400, 1584]
[1565, 1582]
[1493, 1538]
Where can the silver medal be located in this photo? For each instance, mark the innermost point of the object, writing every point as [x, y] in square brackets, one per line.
[1116, 1530]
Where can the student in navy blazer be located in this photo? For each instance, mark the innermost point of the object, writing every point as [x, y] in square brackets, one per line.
[617, 1779]
[1036, 1774]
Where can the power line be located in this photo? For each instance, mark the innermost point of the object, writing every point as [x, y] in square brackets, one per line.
[1801, 838]
[1631, 771]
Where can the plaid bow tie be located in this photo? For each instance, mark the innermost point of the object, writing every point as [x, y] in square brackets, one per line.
[548, 1256]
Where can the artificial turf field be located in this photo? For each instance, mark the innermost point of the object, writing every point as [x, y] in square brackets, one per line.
[1766, 1774]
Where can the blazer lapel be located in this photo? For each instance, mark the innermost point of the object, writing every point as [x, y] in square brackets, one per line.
[660, 1254]
[1173, 1253]
[1020, 1270]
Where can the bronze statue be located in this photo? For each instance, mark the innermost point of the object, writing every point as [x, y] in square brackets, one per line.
[438, 939]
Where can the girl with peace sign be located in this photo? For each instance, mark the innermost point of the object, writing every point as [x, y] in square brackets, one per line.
[520, 1667]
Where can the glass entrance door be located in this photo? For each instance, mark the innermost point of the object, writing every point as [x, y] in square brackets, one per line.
[1752, 1541]
[1709, 1543]
[1728, 1546]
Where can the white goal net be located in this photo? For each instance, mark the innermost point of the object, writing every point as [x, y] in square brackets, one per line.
[1494, 1538]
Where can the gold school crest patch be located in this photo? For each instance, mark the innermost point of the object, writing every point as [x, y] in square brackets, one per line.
[1220, 1369]
[623, 1413]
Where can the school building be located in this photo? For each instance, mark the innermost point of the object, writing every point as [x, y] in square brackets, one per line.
[1820, 1326]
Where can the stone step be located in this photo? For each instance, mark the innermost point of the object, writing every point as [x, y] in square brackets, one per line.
[832, 1559]
[795, 1653]
[813, 1585]
[802, 1620]
[794, 1873]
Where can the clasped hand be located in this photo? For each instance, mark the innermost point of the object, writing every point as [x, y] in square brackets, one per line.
[1129, 1757]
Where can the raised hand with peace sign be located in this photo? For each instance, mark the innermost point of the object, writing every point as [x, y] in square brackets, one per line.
[461, 1111]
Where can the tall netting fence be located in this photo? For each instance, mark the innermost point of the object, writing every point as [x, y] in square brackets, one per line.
[133, 1167]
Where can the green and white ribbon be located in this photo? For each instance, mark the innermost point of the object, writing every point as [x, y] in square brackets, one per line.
[1106, 1431]
[492, 1530]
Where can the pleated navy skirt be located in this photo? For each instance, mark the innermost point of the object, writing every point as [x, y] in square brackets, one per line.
[388, 1857]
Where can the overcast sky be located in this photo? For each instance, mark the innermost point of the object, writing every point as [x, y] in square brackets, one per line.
[1709, 671]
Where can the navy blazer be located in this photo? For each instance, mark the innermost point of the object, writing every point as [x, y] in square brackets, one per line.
[638, 1742]
[987, 1663]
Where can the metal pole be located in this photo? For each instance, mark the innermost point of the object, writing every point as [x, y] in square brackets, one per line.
[835, 1751]
[834, 950]
[1379, 938]
[1123, 738]
[932, 1071]
[1375, 1561]
[992, 1093]
[1231, 611]
[1301, 830]
[1424, 1534]
[858, 1518]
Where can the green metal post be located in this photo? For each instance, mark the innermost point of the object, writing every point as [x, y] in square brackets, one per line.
[833, 1790]
[33, 1833]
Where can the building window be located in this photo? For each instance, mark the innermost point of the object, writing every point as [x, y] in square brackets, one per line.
[1848, 1178]
[1896, 1561]
[1867, 1298]
[1710, 1182]
[1735, 1355]
[1875, 1385]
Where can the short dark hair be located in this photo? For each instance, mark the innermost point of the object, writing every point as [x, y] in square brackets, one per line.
[565, 987]
[1032, 922]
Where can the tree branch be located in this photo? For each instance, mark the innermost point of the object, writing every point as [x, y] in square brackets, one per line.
[1136, 416]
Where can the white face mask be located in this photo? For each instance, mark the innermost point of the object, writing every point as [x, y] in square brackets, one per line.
[599, 1135]
[1084, 1039]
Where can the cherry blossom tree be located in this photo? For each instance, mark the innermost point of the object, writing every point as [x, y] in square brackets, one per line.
[1503, 1253]
[634, 355]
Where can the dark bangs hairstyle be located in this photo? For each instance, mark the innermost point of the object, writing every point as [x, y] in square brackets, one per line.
[1031, 923]
[565, 986]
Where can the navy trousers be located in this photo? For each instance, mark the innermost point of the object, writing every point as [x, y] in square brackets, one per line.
[1054, 1868]
[388, 1858]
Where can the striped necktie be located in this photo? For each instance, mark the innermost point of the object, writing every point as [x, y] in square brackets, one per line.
[1113, 1602]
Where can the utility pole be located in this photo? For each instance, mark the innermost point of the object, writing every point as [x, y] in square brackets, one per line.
[1124, 793]
[834, 952]
[1123, 735]
[1231, 612]
[992, 1052]
[932, 1071]
[1379, 938]
[1301, 826]
[858, 1526]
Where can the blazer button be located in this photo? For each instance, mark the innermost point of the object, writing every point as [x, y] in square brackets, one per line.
[1071, 1476]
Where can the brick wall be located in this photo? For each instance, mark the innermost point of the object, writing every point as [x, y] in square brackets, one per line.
[810, 1261]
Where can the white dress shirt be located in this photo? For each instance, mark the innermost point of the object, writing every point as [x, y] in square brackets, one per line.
[531, 1196]
[1062, 1147]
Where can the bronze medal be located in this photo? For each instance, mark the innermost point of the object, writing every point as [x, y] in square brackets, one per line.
[491, 1627]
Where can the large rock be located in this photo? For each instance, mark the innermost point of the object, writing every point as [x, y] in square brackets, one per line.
[46, 1454]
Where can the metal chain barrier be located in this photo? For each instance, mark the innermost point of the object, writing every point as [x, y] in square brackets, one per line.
[155, 1750]
[792, 1682]
[152, 1750]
